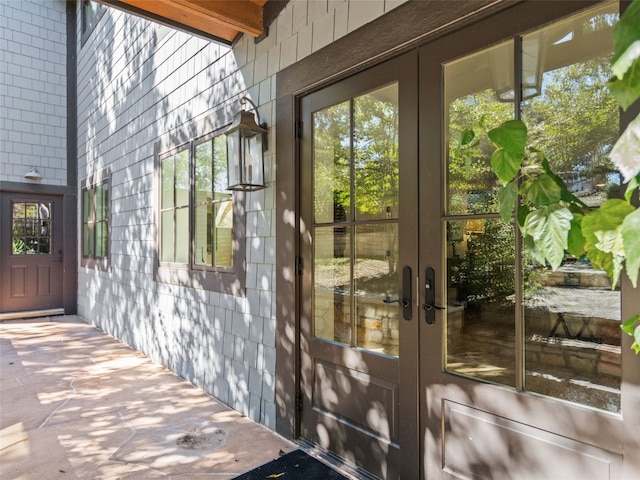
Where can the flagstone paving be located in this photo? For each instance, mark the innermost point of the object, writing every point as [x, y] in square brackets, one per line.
[76, 403]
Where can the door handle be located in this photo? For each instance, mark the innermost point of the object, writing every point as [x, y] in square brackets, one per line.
[58, 259]
[430, 306]
[405, 301]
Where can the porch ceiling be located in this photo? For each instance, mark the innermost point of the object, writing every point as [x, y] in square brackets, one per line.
[219, 20]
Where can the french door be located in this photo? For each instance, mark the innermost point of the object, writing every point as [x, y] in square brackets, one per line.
[432, 345]
[521, 374]
[359, 325]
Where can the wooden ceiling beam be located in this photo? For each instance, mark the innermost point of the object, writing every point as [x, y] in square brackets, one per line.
[221, 19]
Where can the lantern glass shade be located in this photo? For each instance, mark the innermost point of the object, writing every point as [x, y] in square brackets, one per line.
[245, 155]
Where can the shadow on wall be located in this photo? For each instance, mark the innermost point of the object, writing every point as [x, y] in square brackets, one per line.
[139, 96]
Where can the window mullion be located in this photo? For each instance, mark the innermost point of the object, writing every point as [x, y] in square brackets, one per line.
[519, 300]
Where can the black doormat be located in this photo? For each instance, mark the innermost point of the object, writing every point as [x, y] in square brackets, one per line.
[296, 465]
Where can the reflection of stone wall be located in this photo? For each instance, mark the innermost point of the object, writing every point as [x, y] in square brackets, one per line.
[574, 276]
[368, 245]
[484, 336]
[376, 321]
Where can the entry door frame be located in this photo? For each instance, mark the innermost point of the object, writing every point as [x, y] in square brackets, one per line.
[68, 198]
[411, 25]
[398, 31]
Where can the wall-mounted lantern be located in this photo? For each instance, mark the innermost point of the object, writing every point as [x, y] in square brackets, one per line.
[245, 150]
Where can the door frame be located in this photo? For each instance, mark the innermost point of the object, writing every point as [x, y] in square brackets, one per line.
[68, 198]
[410, 25]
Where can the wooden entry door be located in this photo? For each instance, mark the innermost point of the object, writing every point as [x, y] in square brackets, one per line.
[30, 252]
[359, 322]
[522, 373]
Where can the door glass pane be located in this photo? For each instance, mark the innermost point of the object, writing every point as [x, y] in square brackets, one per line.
[331, 162]
[572, 317]
[375, 152]
[480, 300]
[478, 90]
[332, 284]
[31, 228]
[355, 154]
[376, 280]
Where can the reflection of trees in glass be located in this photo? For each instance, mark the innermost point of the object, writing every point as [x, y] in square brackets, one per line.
[376, 156]
[484, 270]
[332, 153]
[374, 119]
[472, 183]
[575, 122]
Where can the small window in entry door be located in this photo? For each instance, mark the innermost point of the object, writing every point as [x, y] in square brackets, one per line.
[31, 228]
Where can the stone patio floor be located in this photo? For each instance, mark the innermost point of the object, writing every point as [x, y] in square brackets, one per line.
[76, 403]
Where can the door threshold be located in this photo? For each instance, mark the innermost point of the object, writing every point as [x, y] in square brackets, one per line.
[347, 469]
[31, 314]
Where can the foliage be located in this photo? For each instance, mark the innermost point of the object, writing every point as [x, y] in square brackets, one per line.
[551, 219]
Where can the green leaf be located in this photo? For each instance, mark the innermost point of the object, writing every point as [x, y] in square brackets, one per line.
[549, 227]
[511, 136]
[630, 328]
[466, 136]
[632, 187]
[575, 240]
[631, 241]
[626, 90]
[601, 260]
[621, 66]
[602, 231]
[625, 154]
[626, 31]
[522, 213]
[530, 244]
[609, 216]
[541, 190]
[565, 194]
[505, 164]
[507, 197]
[629, 325]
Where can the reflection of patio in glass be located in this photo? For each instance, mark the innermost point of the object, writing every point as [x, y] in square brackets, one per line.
[376, 322]
[577, 361]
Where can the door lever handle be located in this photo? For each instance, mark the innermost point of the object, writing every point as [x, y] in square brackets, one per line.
[403, 302]
[430, 306]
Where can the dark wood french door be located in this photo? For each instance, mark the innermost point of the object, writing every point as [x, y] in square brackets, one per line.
[521, 373]
[432, 344]
[359, 329]
[31, 252]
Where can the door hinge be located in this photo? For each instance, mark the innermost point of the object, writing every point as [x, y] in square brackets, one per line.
[298, 265]
[298, 130]
[298, 402]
